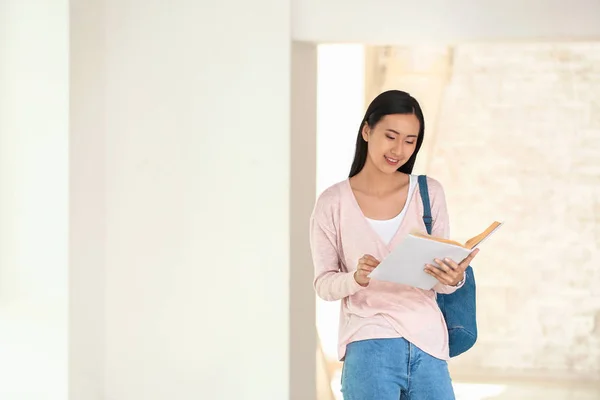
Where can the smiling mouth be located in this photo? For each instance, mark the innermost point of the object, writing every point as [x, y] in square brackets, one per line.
[392, 161]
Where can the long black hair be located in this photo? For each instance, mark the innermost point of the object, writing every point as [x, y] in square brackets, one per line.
[390, 102]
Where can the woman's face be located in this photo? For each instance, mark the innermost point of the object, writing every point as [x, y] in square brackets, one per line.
[392, 141]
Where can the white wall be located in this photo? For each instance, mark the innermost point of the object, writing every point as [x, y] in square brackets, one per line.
[340, 108]
[403, 21]
[197, 199]
[33, 199]
[533, 123]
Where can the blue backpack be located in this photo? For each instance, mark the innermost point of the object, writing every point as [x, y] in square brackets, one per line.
[458, 308]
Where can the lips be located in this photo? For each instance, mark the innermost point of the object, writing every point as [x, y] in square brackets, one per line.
[391, 161]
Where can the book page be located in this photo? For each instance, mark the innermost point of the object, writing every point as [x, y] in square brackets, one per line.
[406, 263]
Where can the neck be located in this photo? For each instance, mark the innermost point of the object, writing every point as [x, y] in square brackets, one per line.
[372, 180]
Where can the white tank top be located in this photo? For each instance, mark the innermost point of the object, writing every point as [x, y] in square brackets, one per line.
[388, 228]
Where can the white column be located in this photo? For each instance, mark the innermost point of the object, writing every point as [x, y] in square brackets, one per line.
[303, 334]
[87, 223]
[33, 199]
[195, 199]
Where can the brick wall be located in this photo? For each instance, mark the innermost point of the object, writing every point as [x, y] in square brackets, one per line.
[517, 138]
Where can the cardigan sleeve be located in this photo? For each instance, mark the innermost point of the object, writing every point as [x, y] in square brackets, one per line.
[330, 282]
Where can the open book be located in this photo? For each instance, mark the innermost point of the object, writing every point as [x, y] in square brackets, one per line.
[406, 263]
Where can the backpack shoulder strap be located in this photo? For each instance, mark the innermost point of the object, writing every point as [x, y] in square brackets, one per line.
[426, 206]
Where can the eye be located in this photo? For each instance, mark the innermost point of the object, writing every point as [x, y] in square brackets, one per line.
[390, 137]
[410, 142]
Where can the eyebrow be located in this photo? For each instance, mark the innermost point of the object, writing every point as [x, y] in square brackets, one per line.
[398, 133]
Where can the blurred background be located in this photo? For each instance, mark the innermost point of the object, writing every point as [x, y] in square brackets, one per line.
[159, 163]
[511, 128]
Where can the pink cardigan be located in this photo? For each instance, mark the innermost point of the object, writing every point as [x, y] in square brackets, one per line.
[339, 236]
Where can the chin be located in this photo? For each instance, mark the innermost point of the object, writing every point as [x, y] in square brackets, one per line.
[388, 169]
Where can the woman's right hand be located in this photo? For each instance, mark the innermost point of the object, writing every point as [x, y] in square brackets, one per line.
[366, 264]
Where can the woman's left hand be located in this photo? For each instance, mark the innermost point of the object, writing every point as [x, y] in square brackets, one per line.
[449, 272]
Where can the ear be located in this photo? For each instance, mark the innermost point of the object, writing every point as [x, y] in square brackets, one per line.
[365, 132]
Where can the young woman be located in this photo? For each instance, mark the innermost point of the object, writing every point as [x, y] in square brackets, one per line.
[392, 338]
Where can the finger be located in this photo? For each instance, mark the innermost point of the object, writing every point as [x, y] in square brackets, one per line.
[368, 257]
[366, 261]
[446, 268]
[433, 270]
[454, 271]
[452, 264]
[366, 267]
[370, 263]
[470, 257]
[436, 273]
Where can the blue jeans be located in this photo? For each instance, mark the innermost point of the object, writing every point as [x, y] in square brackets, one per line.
[393, 369]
